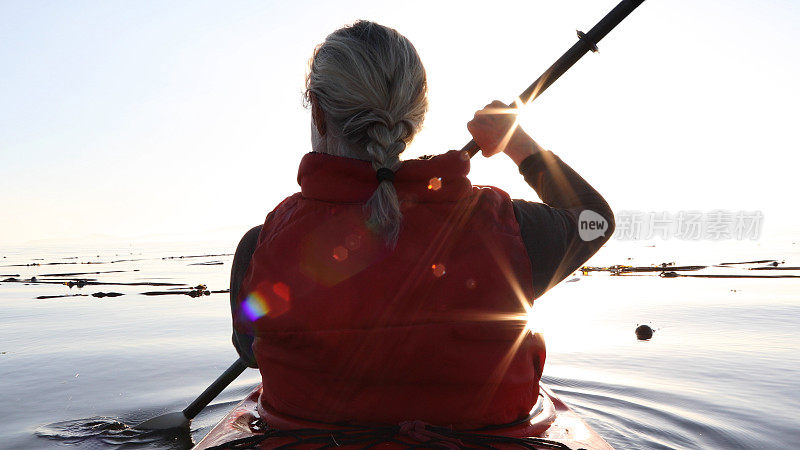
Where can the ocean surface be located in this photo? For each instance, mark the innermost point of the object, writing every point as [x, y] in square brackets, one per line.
[722, 370]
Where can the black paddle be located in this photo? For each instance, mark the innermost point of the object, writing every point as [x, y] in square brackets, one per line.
[181, 419]
[586, 42]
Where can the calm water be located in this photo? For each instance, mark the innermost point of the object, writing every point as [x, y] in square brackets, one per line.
[722, 370]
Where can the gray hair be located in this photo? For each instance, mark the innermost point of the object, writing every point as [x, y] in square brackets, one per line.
[370, 83]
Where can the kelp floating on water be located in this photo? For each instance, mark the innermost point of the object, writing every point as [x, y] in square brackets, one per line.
[80, 279]
[670, 270]
[197, 256]
[44, 297]
[74, 274]
[87, 282]
[709, 275]
[197, 291]
[106, 294]
[620, 269]
[760, 261]
[73, 260]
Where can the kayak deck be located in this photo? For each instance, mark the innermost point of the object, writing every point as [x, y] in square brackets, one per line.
[552, 422]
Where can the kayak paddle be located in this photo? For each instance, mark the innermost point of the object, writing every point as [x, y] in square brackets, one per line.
[586, 41]
[181, 419]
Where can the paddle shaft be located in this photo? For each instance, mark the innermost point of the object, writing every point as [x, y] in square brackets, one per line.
[586, 42]
[216, 387]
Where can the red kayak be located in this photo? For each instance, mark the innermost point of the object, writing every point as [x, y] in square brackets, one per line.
[552, 424]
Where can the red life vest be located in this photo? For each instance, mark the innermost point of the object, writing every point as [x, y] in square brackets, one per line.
[348, 330]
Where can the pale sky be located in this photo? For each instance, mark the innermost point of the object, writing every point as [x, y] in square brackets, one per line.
[184, 118]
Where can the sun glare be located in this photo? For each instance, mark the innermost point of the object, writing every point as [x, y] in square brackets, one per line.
[521, 114]
[530, 320]
[523, 111]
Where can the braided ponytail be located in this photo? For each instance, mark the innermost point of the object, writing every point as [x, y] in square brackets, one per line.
[384, 150]
[370, 82]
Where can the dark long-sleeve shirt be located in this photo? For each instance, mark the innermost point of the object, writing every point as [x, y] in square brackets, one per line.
[550, 230]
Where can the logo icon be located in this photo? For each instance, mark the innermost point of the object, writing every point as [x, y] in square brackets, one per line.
[591, 225]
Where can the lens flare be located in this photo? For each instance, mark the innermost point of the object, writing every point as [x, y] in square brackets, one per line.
[269, 299]
[524, 318]
[531, 320]
[434, 184]
[340, 253]
[255, 307]
[352, 242]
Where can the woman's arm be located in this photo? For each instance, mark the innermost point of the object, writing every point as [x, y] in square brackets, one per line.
[241, 262]
[552, 231]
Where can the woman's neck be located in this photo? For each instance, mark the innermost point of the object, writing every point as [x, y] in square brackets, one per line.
[331, 144]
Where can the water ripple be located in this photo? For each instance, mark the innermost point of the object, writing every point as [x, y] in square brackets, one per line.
[105, 432]
[634, 417]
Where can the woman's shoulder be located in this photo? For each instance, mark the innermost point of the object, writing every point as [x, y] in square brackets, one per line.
[492, 207]
[282, 213]
[491, 196]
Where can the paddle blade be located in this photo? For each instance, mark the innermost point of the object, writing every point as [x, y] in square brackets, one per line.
[165, 422]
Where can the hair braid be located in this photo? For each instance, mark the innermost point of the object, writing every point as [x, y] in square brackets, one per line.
[384, 149]
[370, 82]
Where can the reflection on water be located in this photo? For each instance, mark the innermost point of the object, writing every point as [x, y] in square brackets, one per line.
[721, 371]
[100, 432]
[626, 412]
